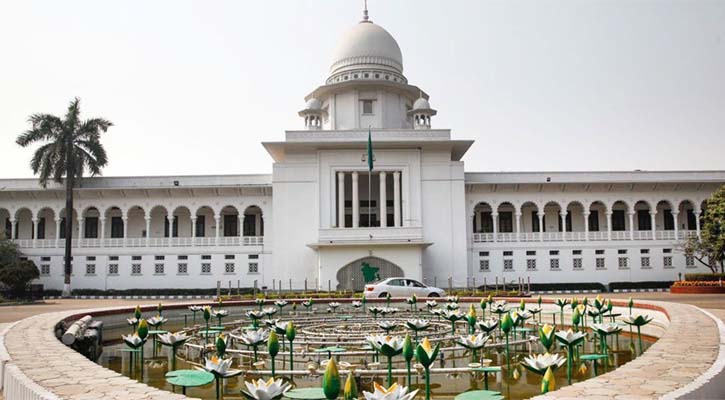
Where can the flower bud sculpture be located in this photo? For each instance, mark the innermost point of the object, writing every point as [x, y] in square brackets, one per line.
[548, 383]
[561, 302]
[506, 324]
[331, 380]
[471, 318]
[350, 390]
[426, 356]
[273, 348]
[546, 336]
[290, 333]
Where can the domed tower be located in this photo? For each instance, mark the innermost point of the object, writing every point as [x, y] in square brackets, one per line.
[421, 113]
[366, 87]
[313, 114]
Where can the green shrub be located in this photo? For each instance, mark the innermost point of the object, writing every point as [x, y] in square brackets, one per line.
[704, 277]
[640, 285]
[540, 287]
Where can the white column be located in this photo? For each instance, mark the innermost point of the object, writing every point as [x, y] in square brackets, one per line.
[193, 226]
[697, 221]
[35, 230]
[396, 198]
[355, 201]
[257, 224]
[81, 231]
[479, 219]
[57, 231]
[125, 230]
[13, 228]
[170, 219]
[653, 215]
[218, 220]
[494, 217]
[675, 213]
[609, 225]
[631, 225]
[540, 214]
[562, 216]
[586, 226]
[518, 226]
[340, 199]
[102, 221]
[383, 200]
[148, 230]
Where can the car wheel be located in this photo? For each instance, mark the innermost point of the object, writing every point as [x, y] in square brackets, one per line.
[434, 294]
[383, 295]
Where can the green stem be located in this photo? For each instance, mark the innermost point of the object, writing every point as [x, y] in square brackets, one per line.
[508, 359]
[273, 375]
[291, 362]
[390, 371]
[639, 336]
[569, 362]
[217, 386]
[255, 352]
[427, 383]
[407, 364]
[173, 357]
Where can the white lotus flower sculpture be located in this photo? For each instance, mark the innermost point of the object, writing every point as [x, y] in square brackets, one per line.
[266, 390]
[394, 392]
[473, 342]
[356, 304]
[387, 325]
[173, 339]
[607, 328]
[218, 366]
[539, 363]
[133, 341]
[417, 324]
[487, 325]
[280, 303]
[157, 320]
[431, 303]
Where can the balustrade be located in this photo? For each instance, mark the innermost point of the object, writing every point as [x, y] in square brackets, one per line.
[142, 242]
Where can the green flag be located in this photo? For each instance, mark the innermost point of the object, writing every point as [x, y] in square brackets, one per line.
[370, 150]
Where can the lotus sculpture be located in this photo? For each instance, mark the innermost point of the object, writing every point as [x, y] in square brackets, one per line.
[393, 392]
[570, 339]
[638, 321]
[389, 346]
[271, 389]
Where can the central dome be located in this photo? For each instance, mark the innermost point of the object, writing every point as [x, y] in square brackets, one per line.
[367, 46]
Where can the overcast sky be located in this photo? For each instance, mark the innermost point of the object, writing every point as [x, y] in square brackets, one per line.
[193, 87]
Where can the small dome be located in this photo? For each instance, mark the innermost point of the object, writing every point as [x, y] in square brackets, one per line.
[364, 45]
[421, 104]
[314, 104]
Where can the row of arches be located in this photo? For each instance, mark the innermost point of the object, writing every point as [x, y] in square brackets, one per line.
[134, 222]
[576, 216]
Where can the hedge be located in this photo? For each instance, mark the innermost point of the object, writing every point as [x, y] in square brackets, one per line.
[704, 277]
[538, 287]
[640, 285]
[147, 292]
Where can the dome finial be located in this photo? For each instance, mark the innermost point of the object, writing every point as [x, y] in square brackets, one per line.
[366, 18]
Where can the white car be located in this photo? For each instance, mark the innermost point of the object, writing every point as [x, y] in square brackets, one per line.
[401, 287]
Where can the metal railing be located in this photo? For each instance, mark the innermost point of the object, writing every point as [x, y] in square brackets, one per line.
[142, 242]
[508, 237]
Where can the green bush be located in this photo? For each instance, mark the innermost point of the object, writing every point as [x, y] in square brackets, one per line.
[704, 277]
[540, 287]
[640, 285]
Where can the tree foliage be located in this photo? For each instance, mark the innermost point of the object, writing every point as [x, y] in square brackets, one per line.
[15, 273]
[709, 248]
[68, 148]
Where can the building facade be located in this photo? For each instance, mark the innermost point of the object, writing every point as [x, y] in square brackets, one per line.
[322, 213]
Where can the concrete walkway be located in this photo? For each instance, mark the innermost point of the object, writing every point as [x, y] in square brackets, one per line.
[715, 388]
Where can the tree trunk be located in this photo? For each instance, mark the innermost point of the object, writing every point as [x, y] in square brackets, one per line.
[68, 220]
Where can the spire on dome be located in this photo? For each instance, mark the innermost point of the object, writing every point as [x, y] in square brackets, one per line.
[366, 18]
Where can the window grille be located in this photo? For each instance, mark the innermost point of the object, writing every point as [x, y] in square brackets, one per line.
[531, 264]
[112, 269]
[577, 263]
[645, 262]
[229, 268]
[667, 261]
[253, 268]
[554, 263]
[623, 263]
[135, 269]
[484, 265]
[90, 269]
[206, 268]
[508, 265]
[45, 269]
[158, 269]
[690, 261]
[600, 263]
[183, 268]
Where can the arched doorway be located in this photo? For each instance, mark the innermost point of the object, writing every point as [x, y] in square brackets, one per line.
[352, 276]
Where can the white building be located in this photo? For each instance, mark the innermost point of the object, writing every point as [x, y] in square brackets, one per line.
[322, 213]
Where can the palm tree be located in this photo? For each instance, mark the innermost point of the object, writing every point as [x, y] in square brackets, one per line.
[69, 147]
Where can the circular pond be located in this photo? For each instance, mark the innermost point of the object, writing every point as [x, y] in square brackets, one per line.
[472, 351]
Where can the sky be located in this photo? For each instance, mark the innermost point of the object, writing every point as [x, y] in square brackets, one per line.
[193, 87]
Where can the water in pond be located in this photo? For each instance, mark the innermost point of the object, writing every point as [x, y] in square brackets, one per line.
[317, 330]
